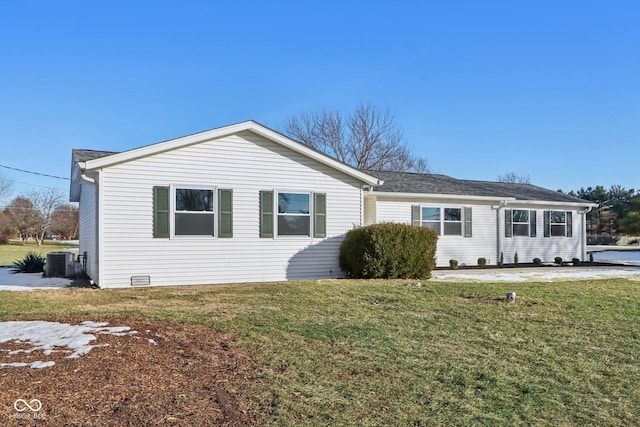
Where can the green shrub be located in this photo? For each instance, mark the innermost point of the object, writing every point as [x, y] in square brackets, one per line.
[515, 258]
[31, 263]
[558, 260]
[575, 261]
[501, 262]
[453, 264]
[482, 262]
[537, 261]
[389, 251]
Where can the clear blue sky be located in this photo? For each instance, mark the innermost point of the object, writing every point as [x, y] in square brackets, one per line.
[549, 89]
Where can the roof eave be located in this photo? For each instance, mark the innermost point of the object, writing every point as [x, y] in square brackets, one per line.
[554, 203]
[404, 195]
[508, 200]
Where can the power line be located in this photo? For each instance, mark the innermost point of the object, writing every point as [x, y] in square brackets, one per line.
[35, 173]
[36, 185]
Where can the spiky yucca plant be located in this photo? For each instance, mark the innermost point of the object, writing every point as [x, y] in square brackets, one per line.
[31, 263]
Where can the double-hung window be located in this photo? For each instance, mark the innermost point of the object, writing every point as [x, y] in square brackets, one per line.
[292, 213]
[452, 224]
[558, 224]
[431, 218]
[192, 211]
[445, 221]
[519, 222]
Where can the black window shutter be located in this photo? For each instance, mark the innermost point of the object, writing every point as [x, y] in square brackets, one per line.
[547, 223]
[569, 225]
[532, 224]
[160, 212]
[508, 223]
[468, 221]
[225, 214]
[319, 215]
[266, 214]
[415, 215]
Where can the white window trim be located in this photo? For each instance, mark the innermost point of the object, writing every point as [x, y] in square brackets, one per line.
[443, 221]
[276, 214]
[551, 224]
[513, 223]
[172, 211]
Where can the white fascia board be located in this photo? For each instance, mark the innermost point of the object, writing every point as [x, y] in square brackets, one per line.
[547, 203]
[313, 154]
[219, 133]
[391, 194]
[505, 201]
[161, 147]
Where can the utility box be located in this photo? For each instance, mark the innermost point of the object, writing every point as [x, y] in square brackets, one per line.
[60, 264]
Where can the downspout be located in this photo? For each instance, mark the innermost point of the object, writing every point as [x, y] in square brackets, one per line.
[363, 189]
[584, 213]
[499, 227]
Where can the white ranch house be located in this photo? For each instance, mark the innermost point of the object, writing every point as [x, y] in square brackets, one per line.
[244, 203]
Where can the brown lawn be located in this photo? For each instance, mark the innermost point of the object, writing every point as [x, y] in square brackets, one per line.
[189, 378]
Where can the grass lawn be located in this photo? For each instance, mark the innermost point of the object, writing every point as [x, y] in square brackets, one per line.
[341, 352]
[14, 250]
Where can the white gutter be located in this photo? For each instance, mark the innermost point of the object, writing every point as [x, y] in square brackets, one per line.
[500, 227]
[85, 178]
[502, 200]
[583, 230]
[548, 203]
[393, 194]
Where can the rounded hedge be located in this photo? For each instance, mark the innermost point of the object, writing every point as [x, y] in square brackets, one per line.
[389, 251]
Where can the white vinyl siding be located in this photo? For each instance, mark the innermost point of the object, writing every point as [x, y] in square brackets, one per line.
[369, 210]
[466, 250]
[246, 164]
[546, 249]
[488, 239]
[87, 228]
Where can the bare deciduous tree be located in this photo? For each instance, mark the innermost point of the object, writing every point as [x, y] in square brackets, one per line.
[5, 187]
[368, 139]
[514, 178]
[23, 218]
[45, 203]
[5, 227]
[65, 221]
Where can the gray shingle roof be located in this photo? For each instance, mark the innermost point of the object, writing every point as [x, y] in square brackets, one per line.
[80, 155]
[406, 182]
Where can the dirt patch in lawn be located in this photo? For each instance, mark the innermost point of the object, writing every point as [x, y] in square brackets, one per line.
[166, 374]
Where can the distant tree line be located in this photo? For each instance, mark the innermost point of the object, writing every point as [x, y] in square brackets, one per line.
[37, 215]
[617, 213]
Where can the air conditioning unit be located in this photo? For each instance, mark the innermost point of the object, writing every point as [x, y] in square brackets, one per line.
[60, 264]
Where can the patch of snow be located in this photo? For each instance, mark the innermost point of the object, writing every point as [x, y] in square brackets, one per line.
[152, 341]
[10, 281]
[47, 336]
[539, 274]
[39, 364]
[627, 257]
